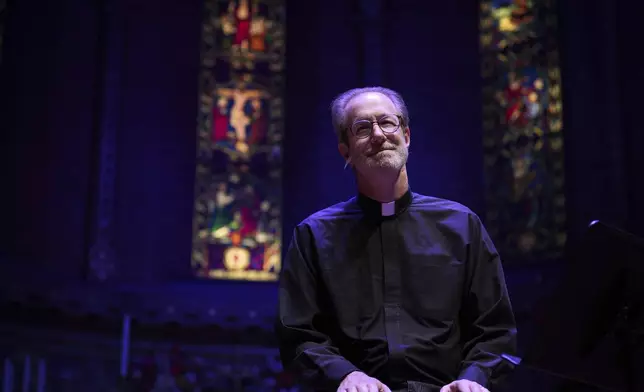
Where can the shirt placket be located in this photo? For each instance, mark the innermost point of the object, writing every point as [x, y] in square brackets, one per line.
[392, 296]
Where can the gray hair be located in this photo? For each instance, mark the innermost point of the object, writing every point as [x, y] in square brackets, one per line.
[339, 105]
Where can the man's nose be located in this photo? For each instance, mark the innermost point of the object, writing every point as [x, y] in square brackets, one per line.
[376, 132]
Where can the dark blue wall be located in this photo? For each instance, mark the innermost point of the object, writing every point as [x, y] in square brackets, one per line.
[603, 138]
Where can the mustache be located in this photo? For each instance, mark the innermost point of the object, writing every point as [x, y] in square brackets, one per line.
[384, 147]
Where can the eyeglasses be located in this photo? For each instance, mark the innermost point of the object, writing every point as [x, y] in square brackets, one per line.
[363, 128]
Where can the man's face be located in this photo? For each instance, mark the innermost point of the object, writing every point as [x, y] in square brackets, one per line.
[380, 150]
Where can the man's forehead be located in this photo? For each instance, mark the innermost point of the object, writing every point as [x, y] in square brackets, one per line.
[370, 104]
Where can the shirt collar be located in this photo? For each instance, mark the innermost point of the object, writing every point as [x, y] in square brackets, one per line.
[375, 208]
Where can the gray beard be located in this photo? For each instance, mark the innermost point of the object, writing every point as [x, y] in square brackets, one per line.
[393, 160]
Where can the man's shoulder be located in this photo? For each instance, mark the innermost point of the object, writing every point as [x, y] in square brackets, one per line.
[339, 211]
[451, 215]
[440, 205]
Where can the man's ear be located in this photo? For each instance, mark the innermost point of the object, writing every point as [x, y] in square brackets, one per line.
[343, 149]
[407, 134]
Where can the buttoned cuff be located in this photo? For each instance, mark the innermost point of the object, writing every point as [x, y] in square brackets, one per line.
[474, 373]
[338, 370]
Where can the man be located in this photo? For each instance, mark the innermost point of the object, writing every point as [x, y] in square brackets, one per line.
[391, 290]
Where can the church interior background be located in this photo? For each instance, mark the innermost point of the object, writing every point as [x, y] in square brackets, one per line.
[159, 153]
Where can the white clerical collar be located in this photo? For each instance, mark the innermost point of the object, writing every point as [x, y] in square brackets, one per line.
[374, 208]
[388, 209]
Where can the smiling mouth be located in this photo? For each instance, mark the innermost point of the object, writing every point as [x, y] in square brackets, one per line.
[380, 151]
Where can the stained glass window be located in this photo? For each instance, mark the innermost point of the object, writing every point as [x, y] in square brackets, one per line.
[237, 216]
[522, 122]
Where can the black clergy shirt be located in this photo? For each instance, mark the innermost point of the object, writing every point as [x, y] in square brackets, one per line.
[410, 292]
